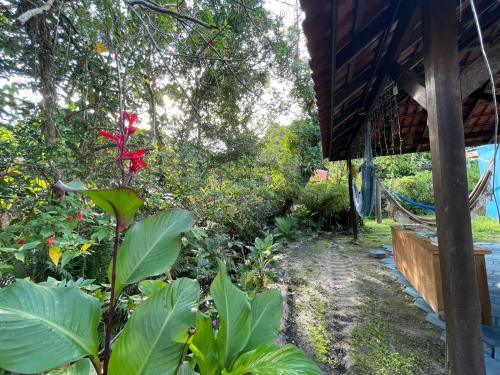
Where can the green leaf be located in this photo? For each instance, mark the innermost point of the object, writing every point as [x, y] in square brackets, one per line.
[150, 247]
[273, 360]
[204, 347]
[150, 287]
[82, 367]
[46, 327]
[266, 318]
[235, 319]
[121, 203]
[153, 338]
[186, 369]
[67, 256]
[29, 246]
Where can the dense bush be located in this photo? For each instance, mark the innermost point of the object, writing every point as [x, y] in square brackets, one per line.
[417, 187]
[328, 201]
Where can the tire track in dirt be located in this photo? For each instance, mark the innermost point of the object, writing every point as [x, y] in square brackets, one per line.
[320, 310]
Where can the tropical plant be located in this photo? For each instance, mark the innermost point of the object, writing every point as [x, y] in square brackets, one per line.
[55, 324]
[286, 226]
[242, 339]
[256, 271]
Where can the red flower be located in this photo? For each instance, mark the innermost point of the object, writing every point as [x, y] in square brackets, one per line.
[136, 164]
[133, 154]
[80, 216]
[21, 241]
[51, 240]
[186, 260]
[136, 161]
[69, 217]
[118, 139]
[131, 119]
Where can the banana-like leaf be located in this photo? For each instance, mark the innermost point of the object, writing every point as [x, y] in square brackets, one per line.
[121, 203]
[204, 347]
[272, 360]
[153, 339]
[81, 367]
[46, 327]
[266, 317]
[150, 246]
[150, 287]
[235, 318]
[186, 369]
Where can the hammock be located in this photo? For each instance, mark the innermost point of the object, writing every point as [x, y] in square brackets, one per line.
[477, 198]
[365, 199]
[410, 201]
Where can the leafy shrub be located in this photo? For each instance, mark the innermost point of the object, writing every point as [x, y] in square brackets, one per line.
[328, 201]
[417, 187]
[286, 226]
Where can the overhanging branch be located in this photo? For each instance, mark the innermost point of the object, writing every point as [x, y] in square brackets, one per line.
[155, 7]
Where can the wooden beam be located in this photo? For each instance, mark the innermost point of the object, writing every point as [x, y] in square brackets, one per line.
[378, 203]
[476, 74]
[477, 99]
[352, 207]
[355, 29]
[409, 82]
[364, 37]
[333, 73]
[444, 107]
[408, 17]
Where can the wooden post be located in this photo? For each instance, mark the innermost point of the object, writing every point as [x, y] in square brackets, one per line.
[378, 203]
[444, 108]
[352, 208]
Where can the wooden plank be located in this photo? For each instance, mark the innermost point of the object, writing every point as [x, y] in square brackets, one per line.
[476, 74]
[444, 108]
[409, 82]
[484, 295]
[364, 37]
[333, 73]
[352, 207]
[417, 258]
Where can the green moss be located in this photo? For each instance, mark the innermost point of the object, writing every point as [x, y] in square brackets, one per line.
[310, 302]
[318, 332]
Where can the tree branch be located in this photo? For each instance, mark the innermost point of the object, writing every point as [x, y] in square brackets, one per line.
[152, 6]
[26, 16]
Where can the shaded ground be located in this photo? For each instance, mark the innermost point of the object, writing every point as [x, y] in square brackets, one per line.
[350, 314]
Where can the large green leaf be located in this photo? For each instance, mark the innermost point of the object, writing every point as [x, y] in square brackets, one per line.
[204, 347]
[153, 338]
[235, 319]
[150, 246]
[272, 360]
[186, 369]
[81, 367]
[46, 327]
[266, 317]
[121, 203]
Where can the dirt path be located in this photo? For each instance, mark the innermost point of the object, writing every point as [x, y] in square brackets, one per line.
[348, 313]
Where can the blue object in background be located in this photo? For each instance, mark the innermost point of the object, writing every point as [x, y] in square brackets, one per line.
[485, 154]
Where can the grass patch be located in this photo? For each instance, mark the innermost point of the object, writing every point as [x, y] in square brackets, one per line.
[373, 234]
[392, 336]
[485, 229]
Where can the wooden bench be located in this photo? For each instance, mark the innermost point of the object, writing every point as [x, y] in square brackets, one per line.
[417, 258]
